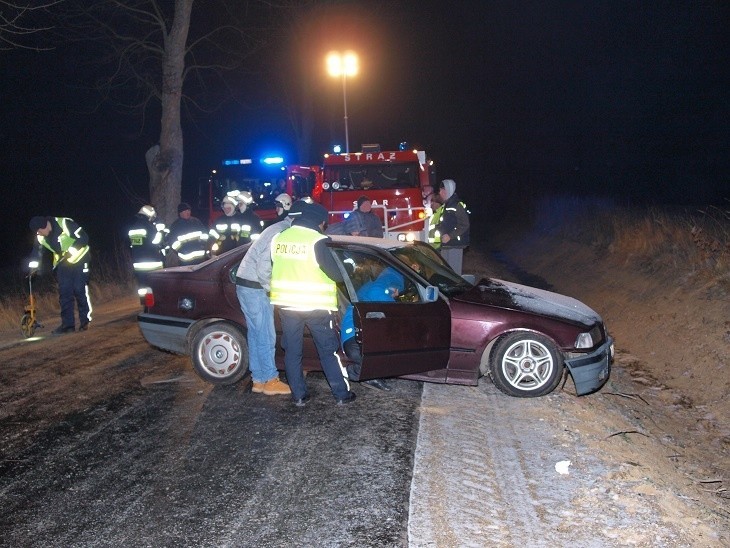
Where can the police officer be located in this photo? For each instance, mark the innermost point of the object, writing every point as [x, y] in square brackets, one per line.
[69, 244]
[449, 231]
[303, 283]
[188, 237]
[146, 243]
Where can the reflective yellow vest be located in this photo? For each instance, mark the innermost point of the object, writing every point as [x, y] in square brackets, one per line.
[296, 280]
[434, 236]
[66, 241]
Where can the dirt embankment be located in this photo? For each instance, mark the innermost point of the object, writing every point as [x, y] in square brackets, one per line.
[672, 369]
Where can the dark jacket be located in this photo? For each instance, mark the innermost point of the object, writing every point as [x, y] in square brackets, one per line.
[145, 241]
[455, 223]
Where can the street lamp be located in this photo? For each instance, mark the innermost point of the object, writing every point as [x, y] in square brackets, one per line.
[343, 64]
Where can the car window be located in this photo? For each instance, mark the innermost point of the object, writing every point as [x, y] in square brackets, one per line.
[369, 275]
[428, 264]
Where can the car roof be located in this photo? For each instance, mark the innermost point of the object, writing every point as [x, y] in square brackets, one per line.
[382, 243]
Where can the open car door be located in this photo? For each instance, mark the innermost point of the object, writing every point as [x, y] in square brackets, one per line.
[401, 338]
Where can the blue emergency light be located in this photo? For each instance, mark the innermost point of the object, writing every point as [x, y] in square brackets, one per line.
[272, 160]
[237, 162]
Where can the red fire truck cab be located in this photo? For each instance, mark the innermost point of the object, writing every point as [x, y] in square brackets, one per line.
[393, 180]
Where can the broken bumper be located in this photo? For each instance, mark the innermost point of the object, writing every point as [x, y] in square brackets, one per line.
[591, 371]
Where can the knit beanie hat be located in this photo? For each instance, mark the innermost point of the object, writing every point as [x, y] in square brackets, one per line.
[36, 223]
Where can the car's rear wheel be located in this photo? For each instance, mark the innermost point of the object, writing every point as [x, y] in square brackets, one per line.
[220, 353]
[525, 365]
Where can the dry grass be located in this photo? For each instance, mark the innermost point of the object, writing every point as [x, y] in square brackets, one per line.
[111, 278]
[684, 243]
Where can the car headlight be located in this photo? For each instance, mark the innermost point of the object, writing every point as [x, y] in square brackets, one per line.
[584, 340]
[336, 186]
[325, 186]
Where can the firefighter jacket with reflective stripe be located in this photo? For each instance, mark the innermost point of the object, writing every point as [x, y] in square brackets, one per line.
[238, 229]
[67, 241]
[146, 244]
[189, 238]
[297, 281]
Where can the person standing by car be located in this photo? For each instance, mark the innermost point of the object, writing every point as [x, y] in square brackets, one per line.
[188, 237]
[283, 203]
[450, 226]
[253, 281]
[362, 221]
[385, 288]
[146, 243]
[251, 225]
[69, 244]
[226, 229]
[303, 284]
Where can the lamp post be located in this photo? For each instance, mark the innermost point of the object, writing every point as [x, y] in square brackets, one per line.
[343, 64]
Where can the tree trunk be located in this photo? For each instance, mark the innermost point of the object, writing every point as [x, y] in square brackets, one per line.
[166, 163]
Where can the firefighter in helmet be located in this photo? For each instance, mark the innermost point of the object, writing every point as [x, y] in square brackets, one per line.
[226, 229]
[283, 204]
[146, 241]
[251, 225]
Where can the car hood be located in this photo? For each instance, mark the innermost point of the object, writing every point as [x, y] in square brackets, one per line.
[512, 296]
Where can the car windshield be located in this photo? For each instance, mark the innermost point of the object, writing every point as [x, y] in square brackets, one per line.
[401, 175]
[423, 260]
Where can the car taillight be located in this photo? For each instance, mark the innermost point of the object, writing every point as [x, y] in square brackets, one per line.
[146, 297]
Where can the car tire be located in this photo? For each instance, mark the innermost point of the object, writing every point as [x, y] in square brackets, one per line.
[525, 365]
[220, 353]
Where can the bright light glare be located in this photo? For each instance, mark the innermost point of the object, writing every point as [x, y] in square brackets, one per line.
[342, 64]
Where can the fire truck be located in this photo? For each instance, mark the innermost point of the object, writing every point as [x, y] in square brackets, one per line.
[393, 180]
[261, 177]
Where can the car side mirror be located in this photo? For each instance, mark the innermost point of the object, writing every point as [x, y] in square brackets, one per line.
[471, 278]
[432, 293]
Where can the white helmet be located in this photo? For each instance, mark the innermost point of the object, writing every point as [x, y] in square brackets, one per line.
[244, 198]
[148, 211]
[283, 201]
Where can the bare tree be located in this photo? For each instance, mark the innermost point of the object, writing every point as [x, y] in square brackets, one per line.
[154, 58]
[23, 22]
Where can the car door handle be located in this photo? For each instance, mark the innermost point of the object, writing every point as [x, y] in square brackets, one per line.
[375, 315]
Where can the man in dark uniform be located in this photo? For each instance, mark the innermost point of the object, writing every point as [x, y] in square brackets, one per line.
[69, 244]
[450, 226]
[188, 237]
[146, 243]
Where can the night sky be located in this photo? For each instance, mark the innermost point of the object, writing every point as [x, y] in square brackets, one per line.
[624, 100]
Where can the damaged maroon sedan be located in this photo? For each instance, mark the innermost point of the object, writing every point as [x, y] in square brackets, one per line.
[440, 328]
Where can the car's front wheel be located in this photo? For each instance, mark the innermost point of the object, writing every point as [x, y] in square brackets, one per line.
[525, 365]
[220, 353]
